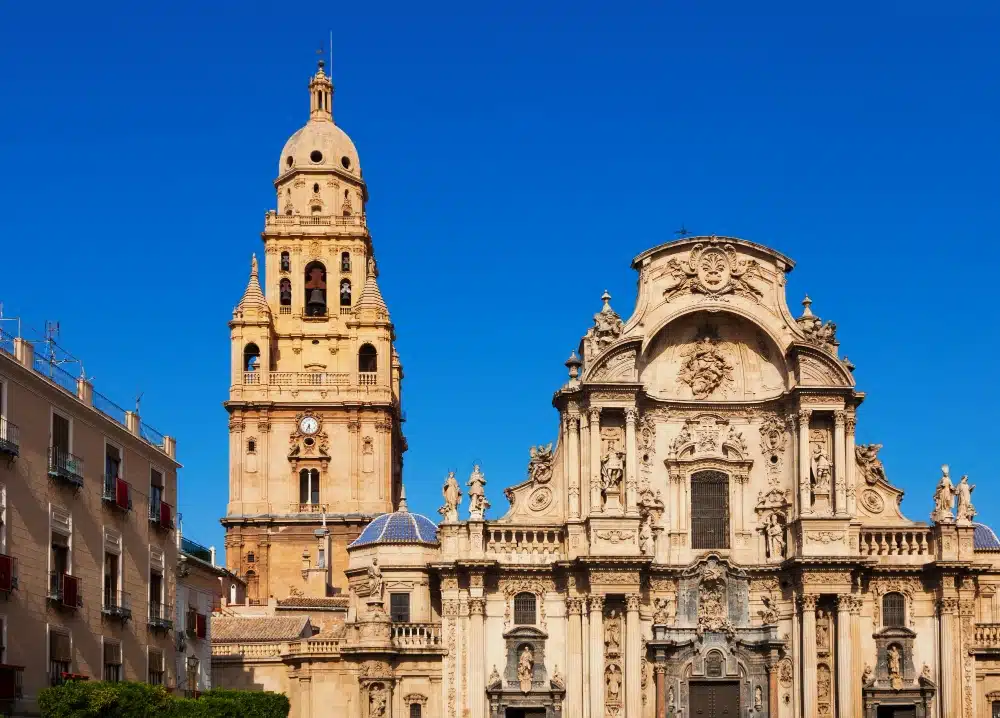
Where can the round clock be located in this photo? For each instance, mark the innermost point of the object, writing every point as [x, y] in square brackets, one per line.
[309, 425]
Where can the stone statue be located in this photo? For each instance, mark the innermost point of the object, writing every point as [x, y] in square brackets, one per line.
[613, 634]
[612, 469]
[769, 614]
[670, 696]
[774, 537]
[452, 498]
[821, 468]
[661, 611]
[525, 664]
[871, 465]
[607, 327]
[494, 681]
[477, 494]
[646, 538]
[557, 680]
[758, 699]
[613, 679]
[966, 511]
[375, 581]
[377, 702]
[892, 660]
[822, 632]
[540, 464]
[925, 674]
[705, 368]
[867, 674]
[944, 498]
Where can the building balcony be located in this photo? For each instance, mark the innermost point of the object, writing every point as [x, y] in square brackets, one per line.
[10, 445]
[161, 616]
[903, 545]
[64, 591]
[8, 575]
[307, 508]
[416, 635]
[161, 514]
[64, 466]
[11, 682]
[117, 604]
[193, 548]
[117, 493]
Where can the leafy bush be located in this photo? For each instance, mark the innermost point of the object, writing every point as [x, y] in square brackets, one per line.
[140, 700]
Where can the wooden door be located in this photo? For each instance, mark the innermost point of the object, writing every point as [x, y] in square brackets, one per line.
[717, 699]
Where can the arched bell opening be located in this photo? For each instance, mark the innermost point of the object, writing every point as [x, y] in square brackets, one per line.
[315, 289]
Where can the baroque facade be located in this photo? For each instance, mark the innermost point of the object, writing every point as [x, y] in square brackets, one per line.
[704, 537]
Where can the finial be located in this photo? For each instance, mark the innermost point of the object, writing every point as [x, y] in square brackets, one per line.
[320, 64]
[253, 265]
[403, 508]
[606, 298]
[806, 303]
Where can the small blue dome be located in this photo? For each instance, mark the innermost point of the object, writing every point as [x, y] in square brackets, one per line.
[984, 538]
[398, 528]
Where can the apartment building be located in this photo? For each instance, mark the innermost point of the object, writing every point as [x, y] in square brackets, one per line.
[87, 547]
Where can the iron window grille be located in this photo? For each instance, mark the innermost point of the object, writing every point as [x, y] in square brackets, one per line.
[524, 609]
[893, 610]
[415, 711]
[399, 607]
[709, 510]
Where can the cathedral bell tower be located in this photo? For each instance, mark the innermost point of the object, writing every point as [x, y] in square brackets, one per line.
[315, 439]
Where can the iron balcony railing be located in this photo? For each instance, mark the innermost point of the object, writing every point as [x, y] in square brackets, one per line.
[117, 492]
[161, 616]
[65, 466]
[193, 548]
[11, 682]
[161, 513]
[64, 590]
[9, 442]
[117, 604]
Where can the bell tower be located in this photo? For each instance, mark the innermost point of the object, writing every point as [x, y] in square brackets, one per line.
[315, 435]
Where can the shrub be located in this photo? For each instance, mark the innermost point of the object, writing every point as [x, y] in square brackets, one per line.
[139, 700]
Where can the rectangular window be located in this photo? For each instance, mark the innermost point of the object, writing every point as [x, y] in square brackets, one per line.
[60, 654]
[112, 598]
[112, 462]
[112, 661]
[156, 595]
[60, 434]
[415, 711]
[399, 607]
[155, 667]
[709, 510]
[155, 493]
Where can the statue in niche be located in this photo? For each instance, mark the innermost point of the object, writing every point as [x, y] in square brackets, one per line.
[823, 631]
[646, 538]
[774, 537]
[758, 699]
[525, 664]
[670, 696]
[944, 498]
[613, 680]
[661, 611]
[540, 464]
[823, 686]
[477, 494]
[375, 581]
[452, 497]
[821, 469]
[377, 701]
[965, 511]
[613, 634]
[893, 661]
[612, 469]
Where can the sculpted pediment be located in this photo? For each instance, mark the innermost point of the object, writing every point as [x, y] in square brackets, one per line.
[618, 364]
[817, 368]
[876, 497]
[539, 499]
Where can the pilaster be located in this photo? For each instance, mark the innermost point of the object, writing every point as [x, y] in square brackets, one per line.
[840, 463]
[845, 676]
[595, 460]
[574, 654]
[596, 604]
[808, 605]
[633, 657]
[851, 473]
[573, 427]
[631, 460]
[805, 500]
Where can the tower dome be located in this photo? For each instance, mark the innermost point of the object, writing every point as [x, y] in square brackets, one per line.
[399, 527]
[320, 144]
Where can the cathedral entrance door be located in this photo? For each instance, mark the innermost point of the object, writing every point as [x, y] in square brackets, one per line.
[715, 699]
[897, 712]
[522, 713]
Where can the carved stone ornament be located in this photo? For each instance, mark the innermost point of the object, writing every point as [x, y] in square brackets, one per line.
[540, 464]
[540, 499]
[714, 271]
[869, 463]
[704, 367]
[616, 536]
[607, 328]
[662, 611]
[872, 502]
[494, 682]
[907, 586]
[452, 498]
[773, 437]
[620, 366]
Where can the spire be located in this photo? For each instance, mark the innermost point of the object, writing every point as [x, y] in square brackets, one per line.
[320, 95]
[806, 304]
[371, 297]
[253, 297]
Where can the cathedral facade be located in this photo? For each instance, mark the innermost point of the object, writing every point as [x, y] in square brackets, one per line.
[704, 537]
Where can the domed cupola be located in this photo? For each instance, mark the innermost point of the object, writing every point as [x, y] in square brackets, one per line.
[400, 527]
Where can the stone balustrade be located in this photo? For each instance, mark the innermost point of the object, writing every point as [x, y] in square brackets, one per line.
[273, 219]
[525, 545]
[316, 646]
[913, 543]
[986, 635]
[246, 650]
[416, 635]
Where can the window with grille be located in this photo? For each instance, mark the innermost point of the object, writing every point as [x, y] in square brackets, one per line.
[59, 655]
[524, 609]
[112, 661]
[399, 607]
[709, 510]
[415, 710]
[893, 610]
[155, 667]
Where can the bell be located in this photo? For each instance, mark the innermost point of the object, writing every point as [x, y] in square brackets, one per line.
[316, 302]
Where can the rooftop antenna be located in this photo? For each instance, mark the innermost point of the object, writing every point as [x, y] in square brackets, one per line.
[11, 319]
[138, 399]
[682, 232]
[331, 53]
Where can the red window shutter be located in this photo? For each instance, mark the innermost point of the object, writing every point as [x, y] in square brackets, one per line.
[201, 626]
[70, 590]
[164, 513]
[6, 573]
[121, 493]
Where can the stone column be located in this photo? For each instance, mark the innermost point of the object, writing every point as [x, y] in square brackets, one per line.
[631, 464]
[573, 427]
[660, 671]
[633, 657]
[597, 656]
[772, 689]
[584, 464]
[950, 703]
[845, 674]
[840, 464]
[585, 644]
[805, 502]
[857, 704]
[595, 460]
[852, 499]
[477, 652]
[574, 665]
[808, 603]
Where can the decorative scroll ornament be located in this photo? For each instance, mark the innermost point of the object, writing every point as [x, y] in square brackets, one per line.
[607, 327]
[871, 466]
[704, 368]
[772, 436]
[540, 464]
[872, 502]
[714, 271]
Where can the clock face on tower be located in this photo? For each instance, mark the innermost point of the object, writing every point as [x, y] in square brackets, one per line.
[308, 425]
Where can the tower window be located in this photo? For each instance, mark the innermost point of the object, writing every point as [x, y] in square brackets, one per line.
[524, 609]
[315, 188]
[316, 156]
[709, 510]
[286, 262]
[289, 161]
[367, 359]
[315, 289]
[345, 262]
[346, 162]
[893, 610]
[252, 446]
[285, 292]
[250, 557]
[345, 292]
[251, 357]
[309, 486]
[399, 607]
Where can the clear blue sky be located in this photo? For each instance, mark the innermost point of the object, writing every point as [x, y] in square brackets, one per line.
[518, 155]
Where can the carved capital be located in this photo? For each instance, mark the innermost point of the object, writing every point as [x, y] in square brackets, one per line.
[631, 415]
[450, 608]
[596, 604]
[839, 418]
[804, 415]
[595, 414]
[477, 606]
[574, 606]
[632, 602]
[851, 423]
[948, 606]
[808, 601]
[573, 422]
[263, 426]
[660, 669]
[475, 579]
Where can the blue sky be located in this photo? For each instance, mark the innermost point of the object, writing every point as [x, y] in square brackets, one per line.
[518, 156]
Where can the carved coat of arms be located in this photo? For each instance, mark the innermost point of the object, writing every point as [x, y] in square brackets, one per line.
[713, 271]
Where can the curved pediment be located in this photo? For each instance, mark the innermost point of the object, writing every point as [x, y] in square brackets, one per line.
[616, 364]
[713, 356]
[815, 367]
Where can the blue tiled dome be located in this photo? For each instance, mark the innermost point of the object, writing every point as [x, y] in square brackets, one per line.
[400, 527]
[984, 538]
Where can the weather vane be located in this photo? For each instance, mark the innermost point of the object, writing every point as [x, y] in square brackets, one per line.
[682, 232]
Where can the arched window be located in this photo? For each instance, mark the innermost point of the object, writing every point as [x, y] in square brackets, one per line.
[251, 578]
[709, 510]
[345, 292]
[893, 609]
[524, 609]
[286, 262]
[232, 593]
[309, 486]
[315, 289]
[285, 292]
[345, 262]
[367, 359]
[251, 357]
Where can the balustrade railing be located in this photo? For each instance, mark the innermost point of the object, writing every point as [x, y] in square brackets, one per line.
[273, 219]
[896, 542]
[367, 378]
[246, 650]
[416, 635]
[986, 635]
[307, 508]
[525, 545]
